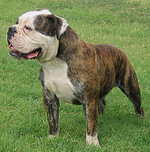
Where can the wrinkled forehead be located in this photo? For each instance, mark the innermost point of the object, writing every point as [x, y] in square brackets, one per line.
[32, 14]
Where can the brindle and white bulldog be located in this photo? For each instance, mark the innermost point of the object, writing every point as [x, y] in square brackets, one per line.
[71, 69]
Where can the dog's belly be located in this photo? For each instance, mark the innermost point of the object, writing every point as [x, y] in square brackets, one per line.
[56, 80]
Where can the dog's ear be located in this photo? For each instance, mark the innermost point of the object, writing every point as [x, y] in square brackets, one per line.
[59, 24]
[56, 24]
[50, 25]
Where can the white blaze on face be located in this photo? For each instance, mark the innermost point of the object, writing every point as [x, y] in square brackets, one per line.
[31, 16]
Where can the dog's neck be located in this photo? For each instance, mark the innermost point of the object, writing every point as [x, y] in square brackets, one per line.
[68, 43]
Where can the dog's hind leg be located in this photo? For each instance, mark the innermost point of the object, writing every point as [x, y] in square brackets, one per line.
[129, 86]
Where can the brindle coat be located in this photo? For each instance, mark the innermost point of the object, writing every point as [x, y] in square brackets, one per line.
[93, 70]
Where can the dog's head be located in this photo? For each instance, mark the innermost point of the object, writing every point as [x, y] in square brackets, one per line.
[36, 35]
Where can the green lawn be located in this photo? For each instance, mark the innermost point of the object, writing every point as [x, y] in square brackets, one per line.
[23, 122]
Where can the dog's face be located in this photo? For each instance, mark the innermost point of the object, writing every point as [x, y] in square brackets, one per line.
[36, 35]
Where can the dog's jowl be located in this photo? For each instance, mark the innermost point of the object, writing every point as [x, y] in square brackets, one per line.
[71, 69]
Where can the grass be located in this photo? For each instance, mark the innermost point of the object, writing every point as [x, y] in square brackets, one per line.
[23, 123]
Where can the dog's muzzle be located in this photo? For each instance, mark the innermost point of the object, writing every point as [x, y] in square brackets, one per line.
[15, 53]
[32, 55]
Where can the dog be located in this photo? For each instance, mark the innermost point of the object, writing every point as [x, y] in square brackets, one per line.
[71, 69]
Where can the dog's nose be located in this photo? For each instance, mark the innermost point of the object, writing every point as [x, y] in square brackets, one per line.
[12, 30]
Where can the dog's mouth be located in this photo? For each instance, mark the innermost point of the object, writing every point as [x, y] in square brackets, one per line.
[32, 55]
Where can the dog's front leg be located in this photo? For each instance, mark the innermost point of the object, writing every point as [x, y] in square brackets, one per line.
[91, 114]
[51, 104]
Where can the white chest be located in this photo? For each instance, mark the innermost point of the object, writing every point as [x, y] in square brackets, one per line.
[57, 81]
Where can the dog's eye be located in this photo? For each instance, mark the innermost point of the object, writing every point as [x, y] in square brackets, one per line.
[27, 28]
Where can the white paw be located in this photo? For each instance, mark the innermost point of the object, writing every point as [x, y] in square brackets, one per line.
[53, 136]
[92, 140]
